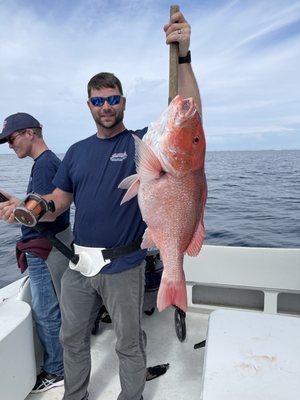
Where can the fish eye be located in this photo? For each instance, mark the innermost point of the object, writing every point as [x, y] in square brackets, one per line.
[196, 140]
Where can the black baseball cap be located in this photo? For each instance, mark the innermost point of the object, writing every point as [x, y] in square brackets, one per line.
[16, 122]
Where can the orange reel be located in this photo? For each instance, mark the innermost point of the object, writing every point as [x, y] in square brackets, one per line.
[31, 210]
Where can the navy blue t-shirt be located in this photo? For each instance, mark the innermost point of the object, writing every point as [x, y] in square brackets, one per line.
[42, 173]
[92, 170]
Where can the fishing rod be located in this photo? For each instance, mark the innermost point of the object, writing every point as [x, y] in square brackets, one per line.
[58, 244]
[173, 62]
[86, 260]
[30, 211]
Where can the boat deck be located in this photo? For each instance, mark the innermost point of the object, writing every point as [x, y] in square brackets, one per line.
[257, 279]
[183, 379]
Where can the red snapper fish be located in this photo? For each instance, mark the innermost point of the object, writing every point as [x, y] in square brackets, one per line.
[172, 190]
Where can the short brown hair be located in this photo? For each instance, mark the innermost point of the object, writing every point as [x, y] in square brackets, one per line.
[104, 80]
[37, 132]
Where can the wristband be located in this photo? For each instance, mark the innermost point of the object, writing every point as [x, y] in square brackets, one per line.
[186, 59]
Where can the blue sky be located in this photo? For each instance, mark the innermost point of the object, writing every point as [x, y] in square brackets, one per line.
[246, 58]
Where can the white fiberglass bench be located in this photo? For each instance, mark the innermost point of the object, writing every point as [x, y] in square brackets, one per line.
[251, 356]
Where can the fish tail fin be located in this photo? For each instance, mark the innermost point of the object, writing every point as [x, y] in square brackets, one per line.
[172, 293]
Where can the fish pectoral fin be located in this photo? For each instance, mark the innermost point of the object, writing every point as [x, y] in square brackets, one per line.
[147, 164]
[127, 182]
[147, 240]
[132, 191]
[195, 245]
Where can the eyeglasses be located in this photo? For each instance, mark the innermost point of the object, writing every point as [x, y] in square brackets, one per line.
[11, 139]
[99, 101]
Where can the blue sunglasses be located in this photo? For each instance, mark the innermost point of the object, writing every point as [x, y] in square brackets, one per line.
[99, 101]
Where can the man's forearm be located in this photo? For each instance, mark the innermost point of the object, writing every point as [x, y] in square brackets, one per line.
[62, 201]
[178, 30]
[187, 84]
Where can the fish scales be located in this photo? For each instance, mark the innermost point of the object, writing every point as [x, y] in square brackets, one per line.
[172, 190]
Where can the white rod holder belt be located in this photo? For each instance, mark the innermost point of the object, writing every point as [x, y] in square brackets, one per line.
[116, 252]
[90, 260]
[93, 259]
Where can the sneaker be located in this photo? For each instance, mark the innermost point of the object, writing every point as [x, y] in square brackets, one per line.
[156, 371]
[46, 381]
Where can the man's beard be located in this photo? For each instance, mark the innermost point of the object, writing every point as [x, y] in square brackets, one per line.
[117, 118]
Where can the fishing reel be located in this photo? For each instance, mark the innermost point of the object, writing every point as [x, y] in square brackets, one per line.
[31, 210]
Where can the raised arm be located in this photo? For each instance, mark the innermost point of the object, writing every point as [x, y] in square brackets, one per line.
[178, 30]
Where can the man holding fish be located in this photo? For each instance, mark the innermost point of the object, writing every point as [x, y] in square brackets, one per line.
[89, 175]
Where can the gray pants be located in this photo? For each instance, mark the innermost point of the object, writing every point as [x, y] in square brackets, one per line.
[57, 262]
[122, 294]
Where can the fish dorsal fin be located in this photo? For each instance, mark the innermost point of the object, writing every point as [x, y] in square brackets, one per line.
[148, 165]
[197, 240]
[132, 183]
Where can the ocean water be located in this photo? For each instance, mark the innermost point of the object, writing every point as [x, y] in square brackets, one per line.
[253, 201]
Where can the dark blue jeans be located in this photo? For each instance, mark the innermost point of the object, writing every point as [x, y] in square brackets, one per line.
[46, 313]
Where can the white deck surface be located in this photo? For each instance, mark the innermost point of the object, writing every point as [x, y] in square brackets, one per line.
[252, 356]
[183, 379]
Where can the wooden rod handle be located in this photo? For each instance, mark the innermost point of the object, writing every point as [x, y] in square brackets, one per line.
[173, 63]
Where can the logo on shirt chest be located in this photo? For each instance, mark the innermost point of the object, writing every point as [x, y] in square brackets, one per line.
[118, 156]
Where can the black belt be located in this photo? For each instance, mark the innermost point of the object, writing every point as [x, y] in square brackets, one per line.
[115, 252]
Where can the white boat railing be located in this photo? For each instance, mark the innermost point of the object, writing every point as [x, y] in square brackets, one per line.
[271, 272]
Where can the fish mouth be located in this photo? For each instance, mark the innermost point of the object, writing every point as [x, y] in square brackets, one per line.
[187, 110]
